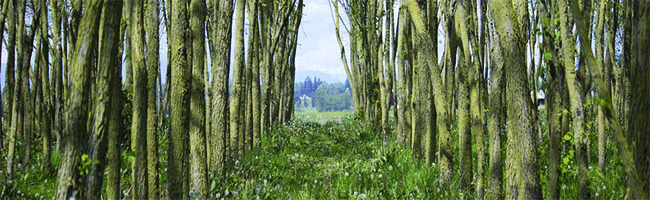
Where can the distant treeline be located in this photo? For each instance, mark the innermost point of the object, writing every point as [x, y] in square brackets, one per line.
[324, 97]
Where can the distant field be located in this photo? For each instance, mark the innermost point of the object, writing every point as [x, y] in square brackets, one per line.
[321, 117]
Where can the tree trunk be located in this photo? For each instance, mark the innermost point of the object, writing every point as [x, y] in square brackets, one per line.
[237, 85]
[109, 67]
[9, 71]
[140, 101]
[17, 105]
[198, 166]
[219, 137]
[521, 154]
[76, 115]
[153, 66]
[57, 73]
[180, 101]
[444, 136]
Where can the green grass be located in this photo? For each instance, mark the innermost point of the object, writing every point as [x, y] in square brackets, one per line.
[320, 117]
[335, 160]
[343, 158]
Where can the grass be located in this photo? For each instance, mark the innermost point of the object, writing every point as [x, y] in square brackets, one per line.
[320, 117]
[336, 160]
[343, 158]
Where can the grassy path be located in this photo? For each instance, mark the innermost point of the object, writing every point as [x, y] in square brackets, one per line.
[335, 160]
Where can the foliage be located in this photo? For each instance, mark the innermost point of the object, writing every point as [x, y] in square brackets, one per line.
[325, 97]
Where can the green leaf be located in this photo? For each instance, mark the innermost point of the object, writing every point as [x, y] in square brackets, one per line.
[548, 56]
[566, 160]
[565, 112]
[566, 137]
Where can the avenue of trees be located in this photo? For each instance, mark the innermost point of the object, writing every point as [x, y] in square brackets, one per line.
[87, 105]
[469, 72]
[67, 97]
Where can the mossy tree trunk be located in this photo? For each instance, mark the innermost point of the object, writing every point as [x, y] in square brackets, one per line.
[219, 136]
[76, 114]
[198, 165]
[10, 68]
[180, 101]
[522, 179]
[153, 65]
[140, 101]
[442, 119]
[108, 71]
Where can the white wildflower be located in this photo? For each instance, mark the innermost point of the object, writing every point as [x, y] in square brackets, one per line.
[362, 196]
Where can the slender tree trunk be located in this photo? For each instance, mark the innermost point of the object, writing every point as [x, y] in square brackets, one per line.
[153, 65]
[402, 87]
[57, 73]
[108, 69]
[140, 101]
[256, 84]
[9, 71]
[3, 17]
[180, 101]
[222, 32]
[46, 119]
[116, 131]
[17, 105]
[464, 120]
[198, 166]
[237, 85]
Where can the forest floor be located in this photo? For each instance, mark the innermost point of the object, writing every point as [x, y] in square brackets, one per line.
[343, 159]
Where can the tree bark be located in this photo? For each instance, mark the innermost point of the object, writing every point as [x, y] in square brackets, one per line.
[76, 115]
[180, 101]
[198, 165]
[153, 66]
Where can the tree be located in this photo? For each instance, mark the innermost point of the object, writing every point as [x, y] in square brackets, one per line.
[9, 72]
[198, 166]
[220, 53]
[77, 113]
[522, 179]
[236, 146]
[442, 119]
[17, 108]
[180, 101]
[45, 94]
[639, 101]
[153, 65]
[108, 71]
[140, 100]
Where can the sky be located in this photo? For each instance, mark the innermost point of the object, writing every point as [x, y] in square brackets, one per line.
[318, 51]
